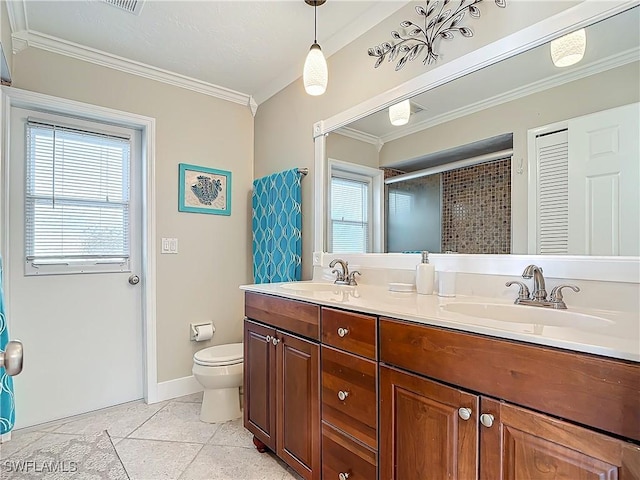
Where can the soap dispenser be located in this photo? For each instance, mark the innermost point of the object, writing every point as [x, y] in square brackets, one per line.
[425, 275]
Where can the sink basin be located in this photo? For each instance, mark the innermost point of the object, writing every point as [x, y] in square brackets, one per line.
[526, 314]
[315, 287]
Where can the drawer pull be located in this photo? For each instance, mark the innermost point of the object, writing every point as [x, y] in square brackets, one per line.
[342, 395]
[486, 419]
[343, 476]
[464, 413]
[343, 332]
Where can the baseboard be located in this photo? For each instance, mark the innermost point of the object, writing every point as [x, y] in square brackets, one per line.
[177, 388]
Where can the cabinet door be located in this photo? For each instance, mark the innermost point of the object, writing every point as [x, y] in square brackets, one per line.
[298, 403]
[518, 443]
[422, 432]
[260, 382]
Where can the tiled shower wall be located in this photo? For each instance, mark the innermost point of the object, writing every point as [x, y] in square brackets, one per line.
[476, 208]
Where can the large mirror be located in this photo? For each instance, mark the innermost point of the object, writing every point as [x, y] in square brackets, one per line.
[520, 157]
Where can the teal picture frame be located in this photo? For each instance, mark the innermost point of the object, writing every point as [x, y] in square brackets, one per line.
[204, 190]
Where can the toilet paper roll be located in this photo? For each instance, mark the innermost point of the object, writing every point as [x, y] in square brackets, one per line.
[204, 332]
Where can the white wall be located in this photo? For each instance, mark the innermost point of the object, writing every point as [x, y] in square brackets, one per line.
[201, 282]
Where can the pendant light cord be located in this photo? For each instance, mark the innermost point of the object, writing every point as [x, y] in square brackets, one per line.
[315, 22]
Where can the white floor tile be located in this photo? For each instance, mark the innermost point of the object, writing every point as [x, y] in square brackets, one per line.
[177, 422]
[226, 463]
[19, 440]
[232, 434]
[119, 421]
[193, 398]
[151, 459]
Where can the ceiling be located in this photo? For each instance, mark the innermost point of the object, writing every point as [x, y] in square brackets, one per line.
[610, 43]
[252, 48]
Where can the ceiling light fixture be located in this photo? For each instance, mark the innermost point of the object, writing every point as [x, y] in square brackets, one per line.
[315, 74]
[569, 50]
[399, 113]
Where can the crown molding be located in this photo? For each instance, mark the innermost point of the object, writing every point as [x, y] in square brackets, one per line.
[23, 39]
[361, 136]
[17, 13]
[614, 61]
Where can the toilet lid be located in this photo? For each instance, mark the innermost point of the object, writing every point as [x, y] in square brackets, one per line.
[220, 355]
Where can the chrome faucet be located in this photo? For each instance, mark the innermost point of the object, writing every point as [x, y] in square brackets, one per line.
[539, 292]
[343, 277]
[539, 296]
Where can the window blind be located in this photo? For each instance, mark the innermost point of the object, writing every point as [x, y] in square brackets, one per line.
[76, 196]
[350, 215]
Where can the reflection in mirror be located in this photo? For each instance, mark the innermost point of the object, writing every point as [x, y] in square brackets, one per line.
[481, 167]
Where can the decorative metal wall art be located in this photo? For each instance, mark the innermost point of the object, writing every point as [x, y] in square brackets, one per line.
[441, 20]
[204, 190]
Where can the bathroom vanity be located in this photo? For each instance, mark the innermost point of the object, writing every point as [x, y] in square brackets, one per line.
[350, 383]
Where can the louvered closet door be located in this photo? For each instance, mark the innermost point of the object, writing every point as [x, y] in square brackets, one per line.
[553, 193]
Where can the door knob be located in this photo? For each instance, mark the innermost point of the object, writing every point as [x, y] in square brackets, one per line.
[11, 358]
[134, 279]
[464, 413]
[486, 419]
[342, 395]
[342, 332]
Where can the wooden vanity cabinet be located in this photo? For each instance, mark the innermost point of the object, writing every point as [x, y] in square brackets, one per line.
[349, 395]
[281, 381]
[433, 430]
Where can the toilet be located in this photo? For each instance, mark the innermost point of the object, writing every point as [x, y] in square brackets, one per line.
[219, 370]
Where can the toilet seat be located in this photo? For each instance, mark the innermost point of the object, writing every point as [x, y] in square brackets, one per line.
[220, 355]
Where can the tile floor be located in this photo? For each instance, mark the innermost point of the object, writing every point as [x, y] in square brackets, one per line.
[163, 441]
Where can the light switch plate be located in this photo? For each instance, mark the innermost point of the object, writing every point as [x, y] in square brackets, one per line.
[169, 245]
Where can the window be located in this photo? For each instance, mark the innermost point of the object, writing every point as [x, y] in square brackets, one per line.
[355, 207]
[350, 226]
[76, 198]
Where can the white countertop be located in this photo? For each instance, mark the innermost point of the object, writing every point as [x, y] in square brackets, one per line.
[618, 336]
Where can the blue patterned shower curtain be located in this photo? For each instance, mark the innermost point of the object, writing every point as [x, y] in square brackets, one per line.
[277, 223]
[7, 406]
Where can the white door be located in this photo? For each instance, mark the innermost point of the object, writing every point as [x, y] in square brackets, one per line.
[604, 174]
[71, 302]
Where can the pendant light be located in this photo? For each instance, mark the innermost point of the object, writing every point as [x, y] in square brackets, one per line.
[399, 113]
[569, 50]
[315, 74]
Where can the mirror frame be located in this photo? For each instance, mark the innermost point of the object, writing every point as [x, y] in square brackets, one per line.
[579, 16]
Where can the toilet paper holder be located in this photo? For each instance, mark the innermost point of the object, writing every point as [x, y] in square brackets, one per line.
[194, 329]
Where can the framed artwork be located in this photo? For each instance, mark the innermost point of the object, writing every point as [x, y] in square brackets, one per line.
[204, 190]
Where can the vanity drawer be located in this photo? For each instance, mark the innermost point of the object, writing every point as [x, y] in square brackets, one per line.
[570, 385]
[355, 379]
[353, 332]
[340, 454]
[296, 317]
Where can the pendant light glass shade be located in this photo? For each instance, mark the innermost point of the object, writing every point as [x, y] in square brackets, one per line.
[569, 50]
[316, 73]
[399, 113]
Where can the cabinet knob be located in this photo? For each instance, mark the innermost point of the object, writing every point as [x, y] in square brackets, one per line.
[275, 341]
[343, 476]
[342, 395]
[464, 413]
[486, 419]
[268, 338]
[343, 332]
